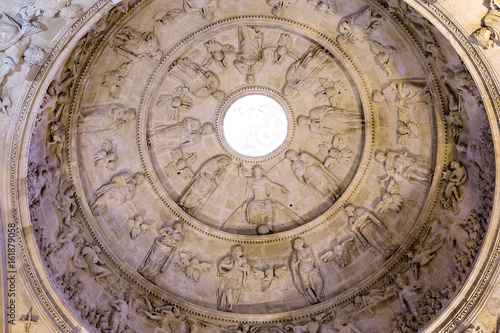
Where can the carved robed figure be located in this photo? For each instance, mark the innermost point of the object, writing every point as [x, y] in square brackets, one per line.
[164, 245]
[233, 269]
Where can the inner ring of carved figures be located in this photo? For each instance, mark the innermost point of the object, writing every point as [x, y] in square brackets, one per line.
[326, 136]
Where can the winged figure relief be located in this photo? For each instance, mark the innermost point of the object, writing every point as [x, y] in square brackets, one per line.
[193, 266]
[269, 277]
[339, 252]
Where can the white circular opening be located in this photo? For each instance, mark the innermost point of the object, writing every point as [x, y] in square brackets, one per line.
[255, 125]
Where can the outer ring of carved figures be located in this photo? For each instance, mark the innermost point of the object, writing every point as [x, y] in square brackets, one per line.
[318, 294]
[21, 238]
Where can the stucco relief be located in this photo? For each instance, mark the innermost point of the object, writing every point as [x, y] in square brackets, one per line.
[285, 208]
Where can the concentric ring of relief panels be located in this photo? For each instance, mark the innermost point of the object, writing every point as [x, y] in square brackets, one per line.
[149, 152]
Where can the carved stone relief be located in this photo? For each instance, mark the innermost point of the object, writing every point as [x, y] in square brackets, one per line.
[214, 193]
[487, 35]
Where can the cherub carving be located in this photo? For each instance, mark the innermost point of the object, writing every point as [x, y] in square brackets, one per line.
[136, 225]
[112, 79]
[204, 184]
[310, 171]
[193, 267]
[488, 35]
[337, 151]
[200, 81]
[134, 44]
[455, 176]
[358, 26]
[176, 103]
[106, 157]
[250, 57]
[280, 5]
[332, 91]
[391, 199]
[181, 164]
[104, 118]
[327, 6]
[407, 129]
[340, 252]
[269, 276]
[304, 72]
[385, 55]
[186, 133]
[217, 52]
[283, 48]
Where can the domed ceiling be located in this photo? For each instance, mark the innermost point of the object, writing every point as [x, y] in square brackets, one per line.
[154, 212]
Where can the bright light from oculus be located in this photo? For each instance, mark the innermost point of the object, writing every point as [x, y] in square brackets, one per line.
[255, 125]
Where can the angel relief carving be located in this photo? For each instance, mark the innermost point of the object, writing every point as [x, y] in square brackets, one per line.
[269, 276]
[112, 79]
[217, 53]
[96, 266]
[167, 317]
[358, 26]
[336, 151]
[121, 188]
[261, 207]
[233, 269]
[200, 81]
[193, 266]
[311, 172]
[339, 252]
[304, 72]
[407, 129]
[106, 157]
[282, 49]
[137, 225]
[250, 57]
[176, 103]
[181, 164]
[306, 276]
[391, 199]
[204, 184]
[164, 246]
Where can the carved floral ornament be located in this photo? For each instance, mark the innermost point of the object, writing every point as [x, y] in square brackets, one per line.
[168, 227]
